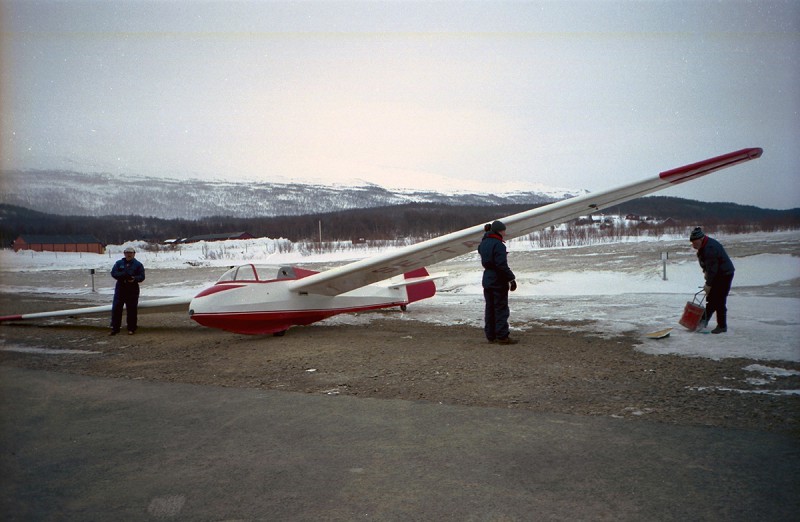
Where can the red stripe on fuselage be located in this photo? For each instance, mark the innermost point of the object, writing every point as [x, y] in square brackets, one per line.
[219, 287]
[271, 322]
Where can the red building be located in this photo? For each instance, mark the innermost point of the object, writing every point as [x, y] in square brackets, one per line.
[85, 243]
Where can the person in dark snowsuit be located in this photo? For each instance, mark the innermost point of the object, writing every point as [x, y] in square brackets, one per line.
[498, 279]
[128, 272]
[718, 269]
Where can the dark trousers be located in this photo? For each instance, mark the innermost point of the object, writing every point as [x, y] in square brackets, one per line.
[495, 316]
[717, 299]
[127, 295]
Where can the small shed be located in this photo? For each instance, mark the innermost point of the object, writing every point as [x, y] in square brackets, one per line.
[81, 243]
[219, 237]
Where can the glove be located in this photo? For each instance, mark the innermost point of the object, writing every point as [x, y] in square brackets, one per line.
[512, 285]
[707, 289]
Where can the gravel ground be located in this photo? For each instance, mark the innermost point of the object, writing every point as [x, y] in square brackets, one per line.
[553, 369]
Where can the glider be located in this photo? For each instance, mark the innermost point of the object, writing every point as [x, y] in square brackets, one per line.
[249, 300]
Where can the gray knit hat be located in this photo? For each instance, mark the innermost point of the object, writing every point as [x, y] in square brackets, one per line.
[697, 233]
[497, 226]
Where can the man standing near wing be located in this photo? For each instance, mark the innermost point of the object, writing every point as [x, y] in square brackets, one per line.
[498, 279]
[128, 272]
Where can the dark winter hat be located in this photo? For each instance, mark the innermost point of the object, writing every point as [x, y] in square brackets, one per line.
[697, 233]
[497, 226]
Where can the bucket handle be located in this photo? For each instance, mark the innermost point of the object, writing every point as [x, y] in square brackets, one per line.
[698, 303]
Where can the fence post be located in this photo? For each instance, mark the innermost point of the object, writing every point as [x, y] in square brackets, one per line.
[664, 257]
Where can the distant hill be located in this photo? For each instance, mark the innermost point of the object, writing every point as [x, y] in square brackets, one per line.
[700, 212]
[81, 194]
[119, 208]
[414, 220]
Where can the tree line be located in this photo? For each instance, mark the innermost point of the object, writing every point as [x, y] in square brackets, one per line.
[416, 220]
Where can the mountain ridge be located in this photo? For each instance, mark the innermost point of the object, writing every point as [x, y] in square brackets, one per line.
[116, 209]
[99, 194]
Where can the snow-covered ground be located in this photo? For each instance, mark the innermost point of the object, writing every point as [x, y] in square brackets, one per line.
[615, 287]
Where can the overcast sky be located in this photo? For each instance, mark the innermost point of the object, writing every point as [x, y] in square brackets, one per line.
[449, 95]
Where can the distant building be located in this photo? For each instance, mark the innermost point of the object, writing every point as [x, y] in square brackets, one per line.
[218, 237]
[82, 243]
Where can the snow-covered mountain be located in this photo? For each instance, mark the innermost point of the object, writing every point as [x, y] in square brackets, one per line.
[93, 194]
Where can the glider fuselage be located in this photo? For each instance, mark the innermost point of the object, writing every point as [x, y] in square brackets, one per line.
[242, 302]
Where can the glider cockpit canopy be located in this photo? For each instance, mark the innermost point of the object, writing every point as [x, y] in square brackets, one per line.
[251, 273]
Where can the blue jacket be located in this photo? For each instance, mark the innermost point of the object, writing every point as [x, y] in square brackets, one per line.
[124, 271]
[714, 260]
[496, 273]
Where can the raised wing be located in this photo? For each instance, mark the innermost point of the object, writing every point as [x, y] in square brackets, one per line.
[170, 304]
[366, 271]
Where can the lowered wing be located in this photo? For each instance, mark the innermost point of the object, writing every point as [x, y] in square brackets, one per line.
[366, 271]
[170, 304]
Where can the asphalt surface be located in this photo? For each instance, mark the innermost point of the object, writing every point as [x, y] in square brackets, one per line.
[87, 448]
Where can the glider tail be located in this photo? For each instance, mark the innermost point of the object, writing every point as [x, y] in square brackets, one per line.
[422, 290]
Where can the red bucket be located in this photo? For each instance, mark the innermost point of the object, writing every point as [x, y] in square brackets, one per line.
[692, 313]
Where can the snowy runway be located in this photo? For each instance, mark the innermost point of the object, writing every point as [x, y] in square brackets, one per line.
[615, 287]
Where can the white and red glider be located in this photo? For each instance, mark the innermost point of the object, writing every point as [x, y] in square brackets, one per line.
[248, 300]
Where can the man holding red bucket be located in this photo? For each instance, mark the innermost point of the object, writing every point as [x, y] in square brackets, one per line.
[718, 269]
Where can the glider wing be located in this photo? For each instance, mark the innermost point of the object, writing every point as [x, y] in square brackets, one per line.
[367, 271]
[170, 304]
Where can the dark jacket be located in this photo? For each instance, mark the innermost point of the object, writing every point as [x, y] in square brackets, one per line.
[124, 271]
[714, 260]
[496, 273]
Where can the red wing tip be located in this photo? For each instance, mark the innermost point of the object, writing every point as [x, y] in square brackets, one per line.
[707, 166]
[756, 152]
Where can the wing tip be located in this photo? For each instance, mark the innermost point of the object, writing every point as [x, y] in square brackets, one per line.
[707, 166]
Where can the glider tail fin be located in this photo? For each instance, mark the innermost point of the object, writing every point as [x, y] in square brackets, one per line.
[421, 290]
